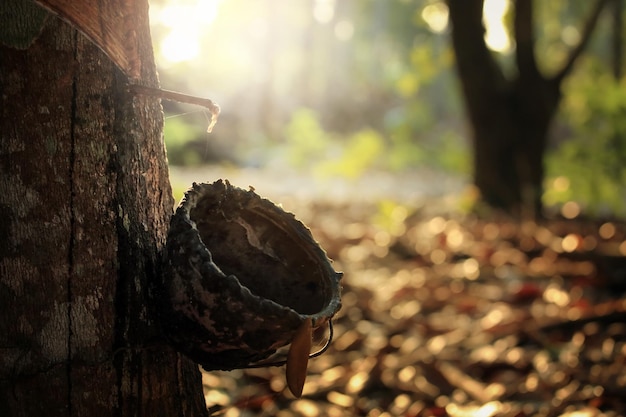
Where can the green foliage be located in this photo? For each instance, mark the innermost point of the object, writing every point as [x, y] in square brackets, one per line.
[590, 167]
[390, 217]
[408, 84]
[424, 62]
[178, 135]
[404, 153]
[307, 141]
[452, 153]
[309, 146]
[363, 150]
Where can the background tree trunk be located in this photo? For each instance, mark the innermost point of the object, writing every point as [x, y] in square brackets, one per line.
[510, 118]
[84, 205]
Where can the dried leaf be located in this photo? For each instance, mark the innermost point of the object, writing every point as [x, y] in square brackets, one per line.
[298, 358]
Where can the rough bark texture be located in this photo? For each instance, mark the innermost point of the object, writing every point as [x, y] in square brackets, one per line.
[84, 206]
[510, 118]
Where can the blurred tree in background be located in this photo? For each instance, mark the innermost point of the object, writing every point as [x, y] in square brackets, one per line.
[338, 87]
[510, 116]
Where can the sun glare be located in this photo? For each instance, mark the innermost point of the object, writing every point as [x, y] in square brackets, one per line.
[184, 23]
[496, 36]
[180, 45]
[436, 16]
[324, 10]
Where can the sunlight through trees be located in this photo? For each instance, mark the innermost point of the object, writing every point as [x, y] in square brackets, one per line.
[387, 66]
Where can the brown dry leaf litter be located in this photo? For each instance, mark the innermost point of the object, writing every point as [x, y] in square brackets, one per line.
[455, 316]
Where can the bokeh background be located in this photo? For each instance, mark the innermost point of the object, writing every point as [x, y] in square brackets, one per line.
[349, 113]
[337, 88]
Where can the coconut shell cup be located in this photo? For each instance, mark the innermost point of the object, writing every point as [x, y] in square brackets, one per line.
[240, 275]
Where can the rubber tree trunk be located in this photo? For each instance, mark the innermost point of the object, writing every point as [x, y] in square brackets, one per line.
[84, 207]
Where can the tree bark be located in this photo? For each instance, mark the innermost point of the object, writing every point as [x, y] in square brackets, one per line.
[85, 203]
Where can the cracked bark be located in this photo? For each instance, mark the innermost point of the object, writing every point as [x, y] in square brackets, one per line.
[84, 206]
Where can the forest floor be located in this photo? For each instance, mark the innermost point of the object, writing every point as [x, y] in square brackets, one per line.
[447, 314]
